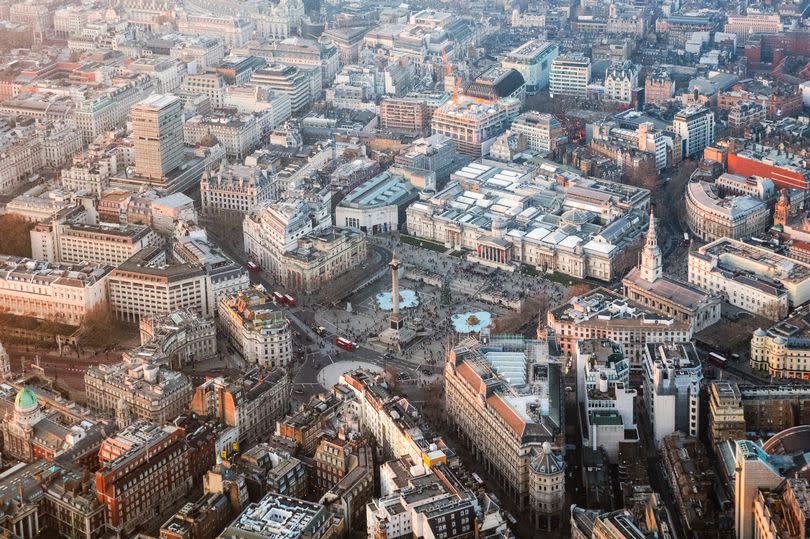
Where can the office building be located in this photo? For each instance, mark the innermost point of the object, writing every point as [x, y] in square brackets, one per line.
[256, 328]
[63, 293]
[282, 516]
[605, 395]
[750, 277]
[512, 421]
[711, 216]
[147, 284]
[144, 469]
[211, 85]
[570, 75]
[474, 126]
[672, 376]
[602, 313]
[695, 127]
[287, 79]
[157, 125]
[762, 469]
[406, 114]
[646, 284]
[532, 60]
[237, 188]
[75, 243]
[543, 131]
[251, 402]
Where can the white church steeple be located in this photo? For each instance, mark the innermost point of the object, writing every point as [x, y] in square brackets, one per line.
[651, 259]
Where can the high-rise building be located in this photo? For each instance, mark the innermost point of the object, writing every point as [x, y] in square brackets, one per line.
[726, 415]
[762, 469]
[570, 76]
[157, 124]
[695, 126]
[672, 376]
[604, 392]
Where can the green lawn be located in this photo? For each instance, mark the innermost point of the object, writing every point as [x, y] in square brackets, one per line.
[410, 240]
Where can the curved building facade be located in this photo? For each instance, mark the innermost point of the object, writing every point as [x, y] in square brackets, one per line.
[711, 216]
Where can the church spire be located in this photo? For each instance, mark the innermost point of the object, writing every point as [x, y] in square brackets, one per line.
[652, 236]
[651, 258]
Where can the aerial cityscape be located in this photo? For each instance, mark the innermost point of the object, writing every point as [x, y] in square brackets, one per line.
[464, 269]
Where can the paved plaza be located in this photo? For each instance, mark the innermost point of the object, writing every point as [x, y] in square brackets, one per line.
[473, 288]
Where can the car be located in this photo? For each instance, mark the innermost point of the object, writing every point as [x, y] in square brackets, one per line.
[388, 355]
[569, 388]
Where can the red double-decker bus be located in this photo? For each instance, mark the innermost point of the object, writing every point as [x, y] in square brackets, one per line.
[346, 344]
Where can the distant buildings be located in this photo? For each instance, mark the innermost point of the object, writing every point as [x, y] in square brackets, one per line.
[542, 131]
[621, 82]
[532, 60]
[695, 127]
[256, 328]
[570, 75]
[672, 376]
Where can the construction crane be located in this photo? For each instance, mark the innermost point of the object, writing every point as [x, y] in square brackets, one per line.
[448, 74]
